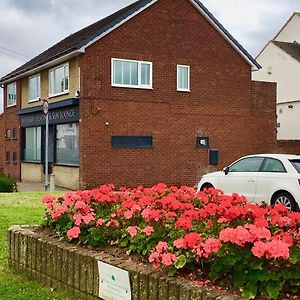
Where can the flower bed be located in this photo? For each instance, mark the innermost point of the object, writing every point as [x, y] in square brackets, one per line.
[255, 248]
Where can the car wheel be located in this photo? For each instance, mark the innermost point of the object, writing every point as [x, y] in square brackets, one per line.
[286, 199]
[206, 186]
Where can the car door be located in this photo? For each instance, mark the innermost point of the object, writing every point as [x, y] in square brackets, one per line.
[271, 177]
[241, 177]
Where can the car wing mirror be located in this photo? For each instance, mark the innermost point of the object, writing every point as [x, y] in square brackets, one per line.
[226, 170]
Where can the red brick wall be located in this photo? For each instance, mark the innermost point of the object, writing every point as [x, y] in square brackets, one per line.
[223, 104]
[2, 134]
[264, 117]
[11, 120]
[288, 146]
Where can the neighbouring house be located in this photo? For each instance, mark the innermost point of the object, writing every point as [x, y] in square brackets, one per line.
[158, 91]
[280, 61]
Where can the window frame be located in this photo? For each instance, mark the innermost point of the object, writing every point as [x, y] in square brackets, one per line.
[272, 171]
[37, 135]
[247, 158]
[39, 88]
[14, 133]
[7, 134]
[7, 157]
[188, 89]
[15, 157]
[55, 149]
[139, 85]
[51, 86]
[7, 94]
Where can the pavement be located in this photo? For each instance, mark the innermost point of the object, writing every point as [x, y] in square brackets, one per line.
[35, 187]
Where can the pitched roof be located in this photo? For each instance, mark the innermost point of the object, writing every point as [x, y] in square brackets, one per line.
[78, 39]
[293, 49]
[88, 35]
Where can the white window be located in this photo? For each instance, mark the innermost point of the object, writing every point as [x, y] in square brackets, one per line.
[59, 80]
[34, 88]
[130, 73]
[183, 78]
[11, 94]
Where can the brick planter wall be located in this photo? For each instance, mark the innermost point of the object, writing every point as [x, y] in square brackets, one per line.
[62, 265]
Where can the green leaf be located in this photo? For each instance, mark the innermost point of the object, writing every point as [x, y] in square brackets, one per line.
[263, 275]
[124, 243]
[180, 262]
[295, 254]
[273, 289]
[248, 294]
[256, 265]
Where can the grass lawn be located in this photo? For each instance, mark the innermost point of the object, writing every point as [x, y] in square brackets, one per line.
[21, 208]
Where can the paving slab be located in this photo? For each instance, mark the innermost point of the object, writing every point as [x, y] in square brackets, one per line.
[35, 187]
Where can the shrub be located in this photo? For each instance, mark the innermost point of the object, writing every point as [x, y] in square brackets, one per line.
[7, 184]
[253, 247]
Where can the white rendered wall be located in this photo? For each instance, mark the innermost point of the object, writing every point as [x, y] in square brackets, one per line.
[290, 32]
[279, 67]
[289, 120]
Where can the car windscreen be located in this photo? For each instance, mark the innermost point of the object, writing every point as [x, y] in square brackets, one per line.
[296, 164]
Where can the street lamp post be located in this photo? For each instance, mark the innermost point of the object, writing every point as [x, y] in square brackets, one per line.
[46, 110]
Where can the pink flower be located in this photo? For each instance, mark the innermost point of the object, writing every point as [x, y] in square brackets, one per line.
[153, 256]
[180, 243]
[259, 249]
[148, 230]
[222, 220]
[132, 230]
[77, 218]
[80, 205]
[161, 246]
[73, 233]
[212, 245]
[99, 222]
[128, 214]
[88, 218]
[167, 259]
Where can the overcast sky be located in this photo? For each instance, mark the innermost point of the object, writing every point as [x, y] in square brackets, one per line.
[30, 26]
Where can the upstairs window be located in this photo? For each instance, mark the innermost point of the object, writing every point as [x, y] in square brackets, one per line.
[183, 78]
[11, 94]
[130, 73]
[59, 80]
[34, 88]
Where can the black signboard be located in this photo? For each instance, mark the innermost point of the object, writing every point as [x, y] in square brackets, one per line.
[69, 114]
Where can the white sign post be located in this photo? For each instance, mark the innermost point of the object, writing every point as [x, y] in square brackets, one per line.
[46, 110]
[114, 283]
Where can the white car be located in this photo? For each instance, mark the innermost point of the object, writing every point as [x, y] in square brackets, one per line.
[273, 178]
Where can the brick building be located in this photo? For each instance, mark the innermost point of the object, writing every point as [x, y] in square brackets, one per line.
[139, 97]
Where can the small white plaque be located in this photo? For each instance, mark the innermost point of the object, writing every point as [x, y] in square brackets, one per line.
[114, 283]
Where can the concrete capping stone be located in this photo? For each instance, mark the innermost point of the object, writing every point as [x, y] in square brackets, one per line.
[59, 264]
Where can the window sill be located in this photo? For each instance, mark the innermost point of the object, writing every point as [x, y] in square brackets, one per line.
[7, 139]
[30, 162]
[184, 91]
[15, 139]
[14, 162]
[66, 165]
[59, 94]
[7, 162]
[132, 87]
[34, 100]
[13, 105]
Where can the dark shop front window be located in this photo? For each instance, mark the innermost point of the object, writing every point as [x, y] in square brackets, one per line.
[32, 144]
[67, 144]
